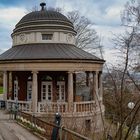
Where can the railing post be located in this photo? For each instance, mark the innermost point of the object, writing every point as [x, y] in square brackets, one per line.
[38, 110]
[66, 135]
[74, 107]
[30, 106]
[60, 132]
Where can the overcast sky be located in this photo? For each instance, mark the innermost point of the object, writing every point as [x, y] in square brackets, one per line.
[104, 13]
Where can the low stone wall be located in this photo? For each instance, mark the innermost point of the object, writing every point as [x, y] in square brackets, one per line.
[84, 124]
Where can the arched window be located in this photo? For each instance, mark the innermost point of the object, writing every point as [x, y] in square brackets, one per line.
[46, 78]
[29, 78]
[61, 78]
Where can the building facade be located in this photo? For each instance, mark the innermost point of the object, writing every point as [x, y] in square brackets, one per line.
[41, 69]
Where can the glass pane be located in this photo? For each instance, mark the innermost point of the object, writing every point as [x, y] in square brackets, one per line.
[47, 36]
[49, 98]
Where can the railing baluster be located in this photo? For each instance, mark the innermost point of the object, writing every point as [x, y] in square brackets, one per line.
[65, 135]
[85, 106]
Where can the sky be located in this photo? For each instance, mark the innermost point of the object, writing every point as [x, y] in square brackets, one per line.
[105, 14]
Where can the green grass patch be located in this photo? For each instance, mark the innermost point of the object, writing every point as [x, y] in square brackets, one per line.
[1, 90]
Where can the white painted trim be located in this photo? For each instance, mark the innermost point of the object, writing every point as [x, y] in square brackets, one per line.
[60, 83]
[29, 85]
[46, 83]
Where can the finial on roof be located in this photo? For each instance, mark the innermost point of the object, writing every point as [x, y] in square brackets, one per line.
[43, 4]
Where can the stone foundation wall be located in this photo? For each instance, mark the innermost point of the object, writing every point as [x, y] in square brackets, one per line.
[87, 125]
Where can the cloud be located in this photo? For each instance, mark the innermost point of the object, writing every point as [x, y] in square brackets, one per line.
[10, 16]
[109, 55]
[112, 14]
[104, 13]
[108, 31]
[106, 34]
[101, 12]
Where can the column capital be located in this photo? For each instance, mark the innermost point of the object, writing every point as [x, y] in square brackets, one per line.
[95, 72]
[34, 72]
[71, 72]
[5, 72]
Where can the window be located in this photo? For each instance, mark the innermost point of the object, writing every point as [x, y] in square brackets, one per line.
[61, 78]
[29, 90]
[88, 125]
[47, 36]
[61, 91]
[46, 91]
[46, 78]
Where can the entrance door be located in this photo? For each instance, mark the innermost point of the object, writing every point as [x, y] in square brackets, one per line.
[60, 91]
[46, 91]
[29, 90]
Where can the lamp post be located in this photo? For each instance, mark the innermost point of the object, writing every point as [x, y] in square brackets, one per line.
[131, 105]
[57, 122]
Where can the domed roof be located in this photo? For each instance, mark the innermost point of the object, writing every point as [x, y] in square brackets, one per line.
[43, 15]
[44, 19]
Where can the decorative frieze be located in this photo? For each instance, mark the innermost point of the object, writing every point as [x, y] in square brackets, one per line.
[36, 37]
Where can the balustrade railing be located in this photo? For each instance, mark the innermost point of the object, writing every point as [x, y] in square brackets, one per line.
[86, 106]
[49, 107]
[53, 107]
[22, 105]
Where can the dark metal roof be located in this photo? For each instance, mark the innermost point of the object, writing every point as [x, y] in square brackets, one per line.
[44, 19]
[47, 52]
[39, 27]
[43, 15]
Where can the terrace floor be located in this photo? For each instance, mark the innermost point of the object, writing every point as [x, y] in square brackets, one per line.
[10, 130]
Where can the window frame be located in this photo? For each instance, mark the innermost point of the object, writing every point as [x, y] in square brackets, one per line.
[47, 36]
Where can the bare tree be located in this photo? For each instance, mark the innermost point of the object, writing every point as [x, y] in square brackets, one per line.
[131, 18]
[125, 45]
[131, 13]
[86, 37]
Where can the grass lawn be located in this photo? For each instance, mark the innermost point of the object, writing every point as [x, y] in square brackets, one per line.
[1, 90]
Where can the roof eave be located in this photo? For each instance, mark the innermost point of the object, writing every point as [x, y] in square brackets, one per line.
[100, 61]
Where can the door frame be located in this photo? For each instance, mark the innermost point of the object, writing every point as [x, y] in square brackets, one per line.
[60, 83]
[29, 82]
[46, 83]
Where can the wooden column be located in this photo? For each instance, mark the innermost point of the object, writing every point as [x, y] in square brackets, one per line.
[5, 85]
[70, 91]
[100, 86]
[34, 92]
[96, 89]
[91, 85]
[74, 87]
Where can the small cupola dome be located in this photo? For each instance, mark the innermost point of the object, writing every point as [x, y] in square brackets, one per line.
[30, 28]
[43, 17]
